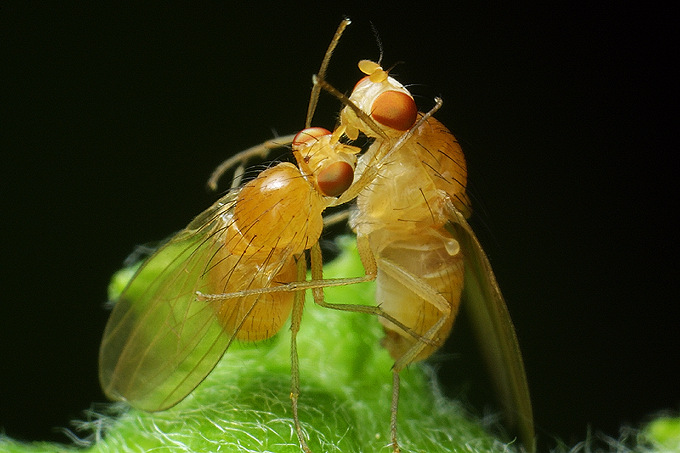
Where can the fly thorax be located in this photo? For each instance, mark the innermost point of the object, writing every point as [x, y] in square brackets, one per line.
[277, 210]
[403, 195]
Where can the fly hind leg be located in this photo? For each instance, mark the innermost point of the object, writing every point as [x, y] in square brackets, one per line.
[318, 283]
[420, 304]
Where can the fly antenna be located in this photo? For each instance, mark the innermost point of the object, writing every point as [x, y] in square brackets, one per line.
[378, 41]
[321, 75]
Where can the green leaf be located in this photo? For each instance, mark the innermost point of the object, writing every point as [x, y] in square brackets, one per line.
[244, 404]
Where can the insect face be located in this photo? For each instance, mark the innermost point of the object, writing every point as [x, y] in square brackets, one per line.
[384, 99]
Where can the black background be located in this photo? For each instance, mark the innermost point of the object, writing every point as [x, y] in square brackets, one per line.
[113, 117]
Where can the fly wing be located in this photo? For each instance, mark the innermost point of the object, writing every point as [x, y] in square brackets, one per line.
[161, 340]
[495, 332]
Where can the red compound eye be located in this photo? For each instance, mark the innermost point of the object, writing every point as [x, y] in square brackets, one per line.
[335, 179]
[395, 109]
[308, 136]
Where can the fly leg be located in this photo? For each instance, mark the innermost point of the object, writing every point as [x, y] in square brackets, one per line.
[316, 285]
[393, 410]
[240, 159]
[429, 294]
[336, 217]
[418, 285]
[316, 89]
[262, 150]
[296, 317]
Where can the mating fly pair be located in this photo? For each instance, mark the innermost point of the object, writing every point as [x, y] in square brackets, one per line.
[237, 272]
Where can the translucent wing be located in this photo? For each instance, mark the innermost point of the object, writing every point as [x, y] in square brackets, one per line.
[495, 332]
[162, 340]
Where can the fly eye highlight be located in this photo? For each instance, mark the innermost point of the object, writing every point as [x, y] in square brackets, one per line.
[335, 178]
[395, 109]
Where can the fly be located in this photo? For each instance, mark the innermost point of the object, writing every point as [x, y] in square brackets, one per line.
[414, 239]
